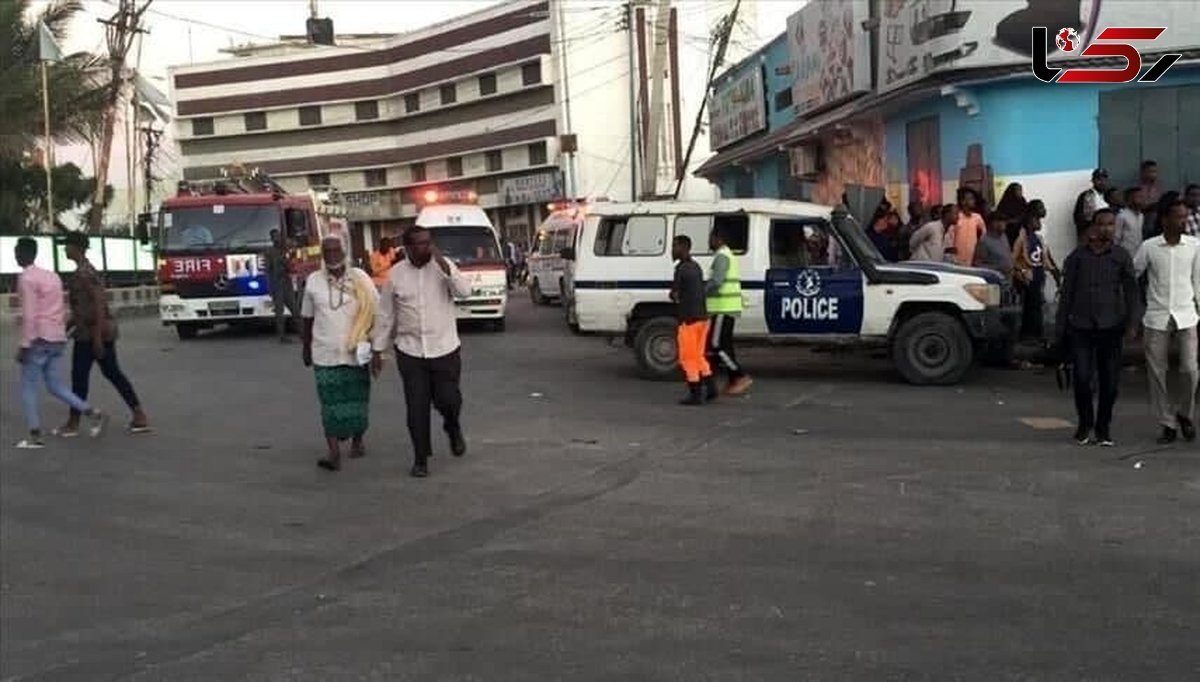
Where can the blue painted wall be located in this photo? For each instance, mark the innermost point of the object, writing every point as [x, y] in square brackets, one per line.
[1025, 126]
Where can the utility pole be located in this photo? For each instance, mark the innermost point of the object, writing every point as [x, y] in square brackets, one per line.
[657, 108]
[723, 33]
[120, 31]
[630, 16]
[152, 141]
[571, 188]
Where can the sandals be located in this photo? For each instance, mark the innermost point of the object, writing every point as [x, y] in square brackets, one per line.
[329, 464]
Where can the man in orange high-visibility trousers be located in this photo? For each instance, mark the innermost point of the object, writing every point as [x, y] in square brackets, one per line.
[688, 294]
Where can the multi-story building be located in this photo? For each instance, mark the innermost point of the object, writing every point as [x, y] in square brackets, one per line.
[521, 103]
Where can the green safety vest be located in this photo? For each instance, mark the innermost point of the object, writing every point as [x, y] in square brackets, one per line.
[728, 298]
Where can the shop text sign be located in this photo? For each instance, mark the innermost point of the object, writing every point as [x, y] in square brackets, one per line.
[1111, 42]
[738, 109]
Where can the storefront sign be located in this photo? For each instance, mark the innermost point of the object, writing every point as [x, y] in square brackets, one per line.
[529, 189]
[920, 37]
[830, 52]
[377, 205]
[737, 108]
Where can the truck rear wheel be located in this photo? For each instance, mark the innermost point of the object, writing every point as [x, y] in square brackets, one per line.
[932, 349]
[655, 349]
[186, 331]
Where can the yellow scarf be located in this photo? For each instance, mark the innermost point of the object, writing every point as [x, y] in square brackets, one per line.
[363, 291]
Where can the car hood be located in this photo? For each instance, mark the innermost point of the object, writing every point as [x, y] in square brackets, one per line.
[989, 276]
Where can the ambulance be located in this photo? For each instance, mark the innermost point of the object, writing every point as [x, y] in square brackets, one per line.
[547, 267]
[809, 274]
[463, 232]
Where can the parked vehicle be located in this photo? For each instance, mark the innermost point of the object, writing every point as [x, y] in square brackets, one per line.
[808, 274]
[545, 259]
[462, 230]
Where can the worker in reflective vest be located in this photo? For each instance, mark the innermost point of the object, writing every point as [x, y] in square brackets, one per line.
[724, 304]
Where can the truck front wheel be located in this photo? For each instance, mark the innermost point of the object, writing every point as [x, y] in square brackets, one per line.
[932, 349]
[186, 331]
[655, 350]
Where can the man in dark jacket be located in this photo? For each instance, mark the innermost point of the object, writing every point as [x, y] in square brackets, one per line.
[688, 294]
[1095, 312]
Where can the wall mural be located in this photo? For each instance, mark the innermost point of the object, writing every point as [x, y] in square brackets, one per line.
[852, 155]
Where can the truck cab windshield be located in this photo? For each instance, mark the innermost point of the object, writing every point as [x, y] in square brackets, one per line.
[468, 245]
[232, 227]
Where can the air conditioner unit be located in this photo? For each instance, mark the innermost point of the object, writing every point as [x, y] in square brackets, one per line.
[805, 160]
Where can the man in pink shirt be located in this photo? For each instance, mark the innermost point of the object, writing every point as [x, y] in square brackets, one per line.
[43, 338]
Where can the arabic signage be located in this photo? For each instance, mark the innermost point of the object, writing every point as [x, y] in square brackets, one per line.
[921, 37]
[382, 204]
[737, 108]
[529, 189]
[830, 53]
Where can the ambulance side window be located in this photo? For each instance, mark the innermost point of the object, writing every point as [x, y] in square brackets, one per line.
[543, 245]
[640, 235]
[735, 228]
[807, 244]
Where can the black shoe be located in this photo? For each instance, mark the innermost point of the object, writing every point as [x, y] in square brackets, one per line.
[458, 444]
[1083, 436]
[1169, 435]
[419, 471]
[694, 396]
[711, 392]
[1104, 440]
[1187, 428]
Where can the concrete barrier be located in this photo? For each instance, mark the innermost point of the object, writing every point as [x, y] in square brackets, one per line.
[123, 301]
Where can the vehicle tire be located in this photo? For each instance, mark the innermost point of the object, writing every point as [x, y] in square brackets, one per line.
[535, 293]
[655, 349]
[186, 331]
[932, 349]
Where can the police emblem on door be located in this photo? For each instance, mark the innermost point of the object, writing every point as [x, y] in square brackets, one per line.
[808, 283]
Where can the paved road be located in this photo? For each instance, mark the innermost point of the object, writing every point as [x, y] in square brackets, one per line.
[834, 526]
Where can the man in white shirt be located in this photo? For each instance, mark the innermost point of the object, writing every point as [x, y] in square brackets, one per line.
[1130, 220]
[928, 243]
[1172, 263]
[417, 317]
[1090, 200]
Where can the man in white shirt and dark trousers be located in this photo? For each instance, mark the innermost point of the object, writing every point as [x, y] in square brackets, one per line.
[417, 317]
[1171, 263]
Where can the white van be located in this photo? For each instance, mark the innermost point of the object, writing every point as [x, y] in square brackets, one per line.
[465, 235]
[546, 264]
[808, 273]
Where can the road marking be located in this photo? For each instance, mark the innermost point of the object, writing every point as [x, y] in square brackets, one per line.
[1045, 423]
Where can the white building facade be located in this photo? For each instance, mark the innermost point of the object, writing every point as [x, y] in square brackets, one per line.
[523, 103]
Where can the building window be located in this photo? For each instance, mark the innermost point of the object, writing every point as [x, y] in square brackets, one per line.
[531, 73]
[537, 153]
[202, 126]
[783, 99]
[255, 120]
[310, 116]
[318, 180]
[454, 166]
[487, 84]
[412, 102]
[449, 93]
[494, 161]
[366, 111]
[376, 177]
[417, 170]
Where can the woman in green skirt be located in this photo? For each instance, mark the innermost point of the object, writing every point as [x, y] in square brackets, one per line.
[339, 309]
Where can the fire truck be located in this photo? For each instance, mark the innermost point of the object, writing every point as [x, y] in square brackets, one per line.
[212, 245]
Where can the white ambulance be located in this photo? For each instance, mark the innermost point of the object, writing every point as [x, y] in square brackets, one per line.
[463, 232]
[808, 274]
[547, 268]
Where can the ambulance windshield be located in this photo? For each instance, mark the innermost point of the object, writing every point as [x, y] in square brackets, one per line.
[468, 245]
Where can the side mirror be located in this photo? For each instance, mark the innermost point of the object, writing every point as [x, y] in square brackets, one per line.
[142, 230]
[297, 224]
[567, 253]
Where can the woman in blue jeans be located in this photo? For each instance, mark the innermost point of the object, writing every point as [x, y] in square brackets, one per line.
[43, 338]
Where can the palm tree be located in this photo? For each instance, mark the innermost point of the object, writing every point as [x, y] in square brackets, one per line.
[76, 86]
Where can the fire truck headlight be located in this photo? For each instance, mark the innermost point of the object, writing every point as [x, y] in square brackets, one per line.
[254, 285]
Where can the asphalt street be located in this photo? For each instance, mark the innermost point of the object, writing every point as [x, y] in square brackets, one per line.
[834, 525]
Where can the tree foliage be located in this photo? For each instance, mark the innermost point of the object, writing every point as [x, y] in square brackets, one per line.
[23, 194]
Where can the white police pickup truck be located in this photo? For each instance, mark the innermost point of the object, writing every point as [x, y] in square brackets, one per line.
[808, 273]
